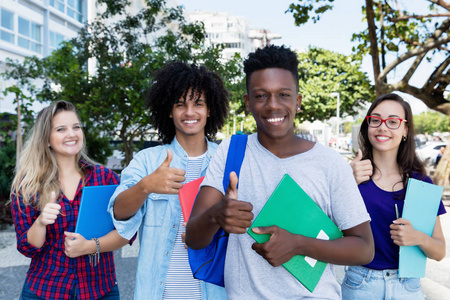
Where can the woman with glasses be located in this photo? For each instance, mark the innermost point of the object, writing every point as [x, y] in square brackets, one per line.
[382, 170]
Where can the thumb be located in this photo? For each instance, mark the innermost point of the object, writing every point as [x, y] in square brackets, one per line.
[358, 156]
[263, 230]
[72, 235]
[232, 186]
[168, 159]
[53, 197]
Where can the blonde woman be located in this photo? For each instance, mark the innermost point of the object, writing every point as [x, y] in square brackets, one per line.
[45, 198]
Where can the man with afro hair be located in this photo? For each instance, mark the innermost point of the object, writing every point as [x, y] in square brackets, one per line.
[188, 105]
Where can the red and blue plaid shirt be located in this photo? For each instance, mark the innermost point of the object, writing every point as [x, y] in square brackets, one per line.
[52, 274]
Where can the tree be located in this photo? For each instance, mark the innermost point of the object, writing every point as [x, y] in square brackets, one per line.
[431, 122]
[398, 39]
[125, 49]
[323, 72]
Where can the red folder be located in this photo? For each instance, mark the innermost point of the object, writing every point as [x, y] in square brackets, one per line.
[187, 195]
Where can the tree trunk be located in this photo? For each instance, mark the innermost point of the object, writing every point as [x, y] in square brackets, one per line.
[373, 43]
[18, 132]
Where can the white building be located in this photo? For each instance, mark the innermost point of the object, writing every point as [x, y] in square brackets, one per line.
[234, 32]
[36, 27]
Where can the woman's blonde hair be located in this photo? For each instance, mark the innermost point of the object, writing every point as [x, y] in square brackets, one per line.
[36, 174]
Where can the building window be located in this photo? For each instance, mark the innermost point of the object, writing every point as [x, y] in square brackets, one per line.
[55, 40]
[30, 35]
[7, 26]
[72, 8]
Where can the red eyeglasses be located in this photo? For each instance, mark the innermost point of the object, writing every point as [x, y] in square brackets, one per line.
[391, 123]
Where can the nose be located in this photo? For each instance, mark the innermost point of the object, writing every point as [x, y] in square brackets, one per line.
[273, 102]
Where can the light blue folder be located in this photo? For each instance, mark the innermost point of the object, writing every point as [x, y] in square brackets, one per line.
[93, 218]
[422, 201]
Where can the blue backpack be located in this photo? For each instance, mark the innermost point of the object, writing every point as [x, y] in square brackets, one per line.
[208, 264]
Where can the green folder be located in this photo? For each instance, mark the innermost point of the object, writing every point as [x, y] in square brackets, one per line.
[290, 208]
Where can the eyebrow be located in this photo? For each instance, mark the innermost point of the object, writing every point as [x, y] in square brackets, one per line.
[390, 116]
[60, 126]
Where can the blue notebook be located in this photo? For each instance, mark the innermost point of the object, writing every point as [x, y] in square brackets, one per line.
[422, 202]
[93, 217]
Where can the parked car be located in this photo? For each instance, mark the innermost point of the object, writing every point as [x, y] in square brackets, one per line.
[428, 152]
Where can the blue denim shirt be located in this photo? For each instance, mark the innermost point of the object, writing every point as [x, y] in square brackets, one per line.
[157, 221]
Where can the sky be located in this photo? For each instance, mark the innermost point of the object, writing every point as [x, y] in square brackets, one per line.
[332, 32]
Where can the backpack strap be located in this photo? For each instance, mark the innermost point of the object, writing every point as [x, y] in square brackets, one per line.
[235, 156]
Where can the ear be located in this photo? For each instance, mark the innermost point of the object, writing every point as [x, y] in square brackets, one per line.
[209, 113]
[247, 103]
[299, 100]
[171, 116]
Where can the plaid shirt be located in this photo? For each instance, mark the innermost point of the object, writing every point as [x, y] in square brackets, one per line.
[52, 274]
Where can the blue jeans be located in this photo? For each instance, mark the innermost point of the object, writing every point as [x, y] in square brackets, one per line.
[364, 283]
[27, 294]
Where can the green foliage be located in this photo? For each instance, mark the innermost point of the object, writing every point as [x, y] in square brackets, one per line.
[106, 70]
[431, 122]
[323, 72]
[311, 9]
[7, 161]
[400, 41]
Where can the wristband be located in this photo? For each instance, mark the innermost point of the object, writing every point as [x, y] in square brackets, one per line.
[94, 258]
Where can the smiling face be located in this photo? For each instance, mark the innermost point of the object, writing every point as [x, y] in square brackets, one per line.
[190, 115]
[382, 138]
[273, 100]
[66, 136]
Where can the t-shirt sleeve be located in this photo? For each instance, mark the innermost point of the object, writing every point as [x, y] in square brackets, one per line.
[216, 168]
[347, 205]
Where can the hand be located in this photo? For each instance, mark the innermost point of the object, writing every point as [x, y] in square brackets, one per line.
[362, 169]
[280, 247]
[403, 233]
[165, 180]
[234, 216]
[50, 212]
[183, 237]
[76, 245]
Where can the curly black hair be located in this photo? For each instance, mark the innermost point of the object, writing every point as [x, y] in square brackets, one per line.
[271, 57]
[172, 82]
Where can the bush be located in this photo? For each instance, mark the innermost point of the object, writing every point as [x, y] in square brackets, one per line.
[7, 163]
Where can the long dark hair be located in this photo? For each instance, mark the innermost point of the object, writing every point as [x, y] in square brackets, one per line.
[407, 159]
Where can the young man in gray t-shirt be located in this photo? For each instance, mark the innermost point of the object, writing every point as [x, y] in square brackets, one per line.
[252, 270]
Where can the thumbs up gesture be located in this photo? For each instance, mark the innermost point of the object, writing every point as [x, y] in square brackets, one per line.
[165, 179]
[50, 212]
[362, 169]
[234, 216]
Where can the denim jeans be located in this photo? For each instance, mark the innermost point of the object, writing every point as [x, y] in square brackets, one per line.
[364, 283]
[27, 294]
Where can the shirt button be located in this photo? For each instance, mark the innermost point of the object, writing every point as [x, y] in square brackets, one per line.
[167, 253]
[173, 226]
[160, 283]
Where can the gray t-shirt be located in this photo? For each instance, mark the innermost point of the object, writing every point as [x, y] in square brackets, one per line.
[324, 176]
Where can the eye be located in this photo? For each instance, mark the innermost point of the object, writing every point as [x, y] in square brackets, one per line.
[77, 127]
[285, 95]
[60, 129]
